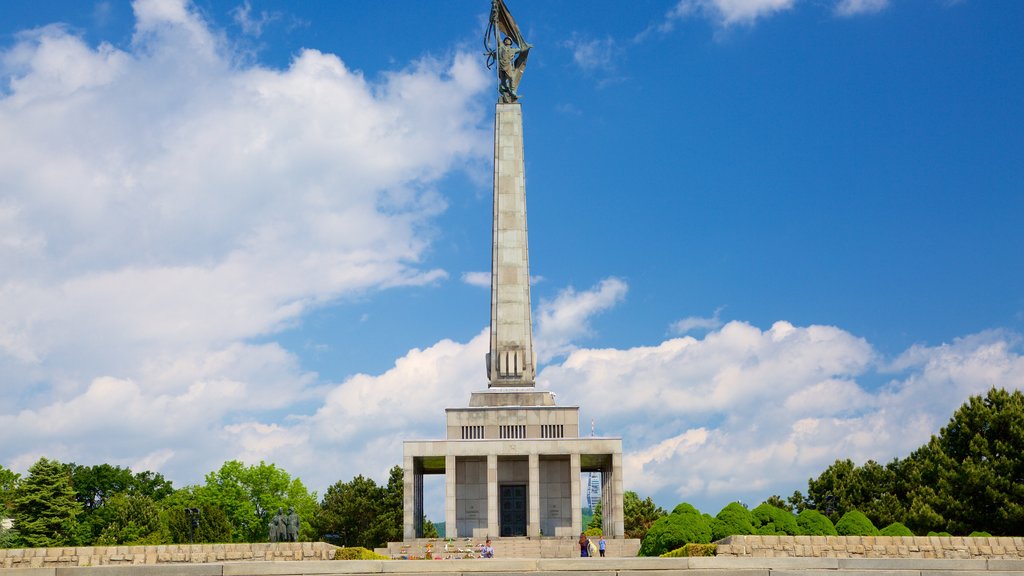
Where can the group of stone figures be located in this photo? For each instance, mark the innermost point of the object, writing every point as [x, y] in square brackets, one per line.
[284, 527]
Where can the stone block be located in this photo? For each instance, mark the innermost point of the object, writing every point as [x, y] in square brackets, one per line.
[1006, 565]
[915, 564]
[8, 571]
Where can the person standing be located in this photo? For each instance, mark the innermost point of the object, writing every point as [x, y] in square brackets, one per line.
[584, 546]
[601, 545]
[487, 551]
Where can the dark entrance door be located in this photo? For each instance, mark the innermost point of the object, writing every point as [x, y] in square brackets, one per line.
[513, 510]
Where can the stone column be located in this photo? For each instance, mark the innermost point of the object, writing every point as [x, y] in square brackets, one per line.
[574, 491]
[533, 498]
[409, 498]
[618, 528]
[493, 528]
[510, 361]
[451, 520]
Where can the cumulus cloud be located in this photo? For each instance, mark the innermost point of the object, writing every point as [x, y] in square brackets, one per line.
[561, 321]
[161, 205]
[744, 413]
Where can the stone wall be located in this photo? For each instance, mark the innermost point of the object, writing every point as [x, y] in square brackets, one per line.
[171, 553]
[949, 547]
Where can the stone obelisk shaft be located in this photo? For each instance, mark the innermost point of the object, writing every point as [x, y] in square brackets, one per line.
[511, 361]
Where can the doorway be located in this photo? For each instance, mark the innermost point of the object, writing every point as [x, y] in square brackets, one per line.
[513, 510]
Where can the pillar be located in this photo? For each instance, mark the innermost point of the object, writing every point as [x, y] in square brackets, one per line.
[409, 503]
[493, 529]
[450, 495]
[574, 491]
[533, 498]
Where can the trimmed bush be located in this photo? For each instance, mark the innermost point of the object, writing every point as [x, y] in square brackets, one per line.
[693, 550]
[593, 532]
[733, 520]
[770, 521]
[814, 523]
[357, 553]
[979, 534]
[896, 529]
[939, 534]
[683, 526]
[855, 523]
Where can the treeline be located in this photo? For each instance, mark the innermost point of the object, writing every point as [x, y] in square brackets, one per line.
[967, 480]
[67, 504]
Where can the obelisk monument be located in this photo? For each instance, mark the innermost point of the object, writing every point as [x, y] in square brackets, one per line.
[512, 460]
[511, 361]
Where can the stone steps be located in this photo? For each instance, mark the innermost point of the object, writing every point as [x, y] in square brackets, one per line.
[456, 548]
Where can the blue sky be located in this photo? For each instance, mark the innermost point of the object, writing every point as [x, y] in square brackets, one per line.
[766, 234]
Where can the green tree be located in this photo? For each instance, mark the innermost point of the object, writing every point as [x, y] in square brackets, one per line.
[639, 515]
[251, 495]
[975, 467]
[8, 484]
[683, 526]
[44, 508]
[429, 530]
[211, 524]
[392, 514]
[595, 520]
[350, 510]
[779, 502]
[131, 519]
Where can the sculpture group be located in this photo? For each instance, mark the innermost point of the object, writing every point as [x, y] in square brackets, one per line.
[284, 527]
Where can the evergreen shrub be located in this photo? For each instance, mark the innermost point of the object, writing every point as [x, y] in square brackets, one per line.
[593, 532]
[770, 521]
[357, 553]
[732, 520]
[692, 550]
[855, 523]
[814, 523]
[683, 526]
[979, 534]
[896, 529]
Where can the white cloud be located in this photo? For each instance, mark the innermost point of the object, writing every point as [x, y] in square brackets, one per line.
[592, 54]
[745, 413]
[855, 7]
[480, 279]
[692, 323]
[250, 23]
[726, 12]
[163, 205]
[566, 318]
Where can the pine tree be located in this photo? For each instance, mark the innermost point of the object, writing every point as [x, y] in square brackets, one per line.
[45, 508]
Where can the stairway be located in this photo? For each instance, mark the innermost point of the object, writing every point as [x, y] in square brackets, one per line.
[522, 547]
